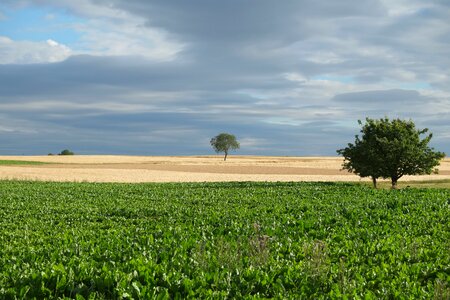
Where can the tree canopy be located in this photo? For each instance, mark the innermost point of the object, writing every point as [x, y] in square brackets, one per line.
[390, 149]
[66, 152]
[224, 142]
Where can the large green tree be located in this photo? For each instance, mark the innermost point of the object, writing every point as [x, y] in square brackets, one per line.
[390, 149]
[224, 142]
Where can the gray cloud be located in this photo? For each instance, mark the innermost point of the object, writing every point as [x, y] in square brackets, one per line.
[288, 78]
[387, 97]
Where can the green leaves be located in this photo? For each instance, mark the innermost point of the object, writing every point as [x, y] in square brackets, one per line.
[390, 149]
[224, 142]
[222, 240]
[20, 162]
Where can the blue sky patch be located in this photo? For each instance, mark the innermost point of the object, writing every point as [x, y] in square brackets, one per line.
[39, 24]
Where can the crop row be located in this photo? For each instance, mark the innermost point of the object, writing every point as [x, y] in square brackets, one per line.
[222, 240]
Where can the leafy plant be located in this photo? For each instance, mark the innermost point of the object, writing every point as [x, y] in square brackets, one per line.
[222, 240]
[20, 162]
[390, 149]
[66, 152]
[224, 142]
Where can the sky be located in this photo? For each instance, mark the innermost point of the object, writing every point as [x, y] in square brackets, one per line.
[158, 77]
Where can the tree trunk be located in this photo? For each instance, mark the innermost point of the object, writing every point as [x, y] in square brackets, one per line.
[226, 154]
[374, 181]
[394, 183]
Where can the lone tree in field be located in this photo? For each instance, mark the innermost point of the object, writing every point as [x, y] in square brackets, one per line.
[224, 142]
[66, 152]
[390, 149]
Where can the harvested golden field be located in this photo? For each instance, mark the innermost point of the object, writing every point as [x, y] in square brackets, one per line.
[109, 168]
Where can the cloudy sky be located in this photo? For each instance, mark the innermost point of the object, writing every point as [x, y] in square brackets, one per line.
[162, 77]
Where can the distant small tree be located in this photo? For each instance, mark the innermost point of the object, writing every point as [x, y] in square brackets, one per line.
[224, 142]
[66, 152]
[390, 149]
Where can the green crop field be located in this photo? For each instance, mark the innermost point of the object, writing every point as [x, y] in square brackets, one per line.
[20, 162]
[223, 240]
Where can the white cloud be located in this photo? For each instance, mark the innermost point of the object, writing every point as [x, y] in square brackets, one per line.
[50, 105]
[396, 8]
[26, 52]
[324, 57]
[104, 31]
[251, 142]
[12, 125]
[294, 76]
[52, 43]
[126, 36]
[6, 129]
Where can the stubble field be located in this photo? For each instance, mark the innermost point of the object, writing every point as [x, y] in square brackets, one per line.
[109, 168]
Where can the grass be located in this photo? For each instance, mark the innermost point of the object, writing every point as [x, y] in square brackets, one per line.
[436, 183]
[20, 162]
